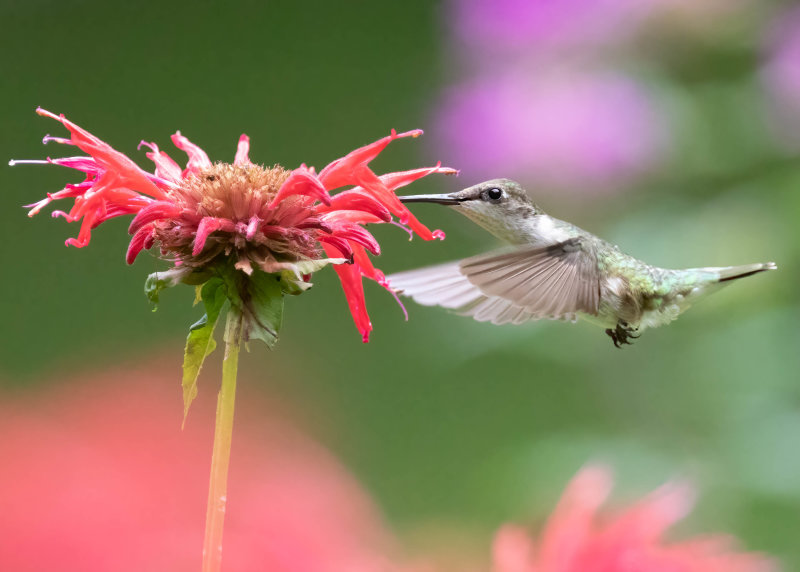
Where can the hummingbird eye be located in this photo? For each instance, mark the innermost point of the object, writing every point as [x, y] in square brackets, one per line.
[494, 194]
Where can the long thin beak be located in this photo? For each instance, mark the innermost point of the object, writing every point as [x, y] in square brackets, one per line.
[437, 199]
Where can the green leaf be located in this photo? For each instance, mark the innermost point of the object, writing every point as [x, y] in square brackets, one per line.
[261, 298]
[159, 281]
[310, 266]
[200, 343]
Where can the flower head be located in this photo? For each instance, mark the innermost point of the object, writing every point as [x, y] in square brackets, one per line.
[243, 215]
[575, 540]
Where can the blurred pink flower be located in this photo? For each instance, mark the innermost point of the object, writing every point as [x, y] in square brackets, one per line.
[781, 75]
[534, 25]
[587, 132]
[573, 539]
[496, 29]
[97, 476]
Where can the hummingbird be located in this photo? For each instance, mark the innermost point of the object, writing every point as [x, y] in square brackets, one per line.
[554, 270]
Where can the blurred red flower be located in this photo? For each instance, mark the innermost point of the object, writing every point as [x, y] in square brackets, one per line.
[97, 477]
[574, 540]
[272, 219]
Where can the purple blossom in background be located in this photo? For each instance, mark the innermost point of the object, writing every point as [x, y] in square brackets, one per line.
[581, 131]
[781, 76]
[539, 101]
[540, 24]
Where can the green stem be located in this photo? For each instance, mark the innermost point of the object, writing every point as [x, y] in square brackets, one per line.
[220, 458]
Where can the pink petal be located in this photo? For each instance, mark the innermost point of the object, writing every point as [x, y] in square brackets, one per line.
[570, 525]
[242, 150]
[341, 172]
[198, 160]
[358, 217]
[512, 550]
[373, 184]
[166, 167]
[154, 211]
[206, 227]
[361, 259]
[394, 181]
[339, 243]
[138, 242]
[357, 200]
[129, 173]
[350, 278]
[303, 182]
[357, 234]
[646, 521]
[85, 164]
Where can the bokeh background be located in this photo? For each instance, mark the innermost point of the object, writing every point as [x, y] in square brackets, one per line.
[670, 127]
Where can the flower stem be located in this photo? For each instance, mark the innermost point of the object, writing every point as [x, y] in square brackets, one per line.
[220, 458]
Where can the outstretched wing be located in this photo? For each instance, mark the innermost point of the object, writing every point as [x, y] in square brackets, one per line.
[547, 281]
[511, 286]
[444, 285]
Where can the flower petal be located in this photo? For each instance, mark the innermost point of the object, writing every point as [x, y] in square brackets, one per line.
[207, 226]
[373, 184]
[128, 172]
[512, 550]
[350, 277]
[342, 172]
[166, 167]
[198, 160]
[359, 217]
[342, 245]
[303, 182]
[242, 150]
[357, 234]
[154, 211]
[138, 243]
[394, 181]
[357, 200]
[361, 258]
[570, 525]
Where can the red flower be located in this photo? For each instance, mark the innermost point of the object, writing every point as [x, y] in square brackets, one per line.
[90, 483]
[272, 219]
[573, 541]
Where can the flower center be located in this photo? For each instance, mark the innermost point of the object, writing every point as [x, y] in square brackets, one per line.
[233, 192]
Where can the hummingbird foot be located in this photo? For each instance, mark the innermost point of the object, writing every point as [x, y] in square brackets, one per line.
[622, 333]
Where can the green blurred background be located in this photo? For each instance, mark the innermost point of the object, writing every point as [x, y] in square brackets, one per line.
[446, 421]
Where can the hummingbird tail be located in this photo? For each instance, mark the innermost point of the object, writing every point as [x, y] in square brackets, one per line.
[734, 272]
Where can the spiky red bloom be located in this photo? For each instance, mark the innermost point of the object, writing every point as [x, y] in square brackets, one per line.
[576, 539]
[272, 219]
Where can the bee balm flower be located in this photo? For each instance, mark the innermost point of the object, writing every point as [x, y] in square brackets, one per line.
[244, 235]
[576, 539]
[208, 216]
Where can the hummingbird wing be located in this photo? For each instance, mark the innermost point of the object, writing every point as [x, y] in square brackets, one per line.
[547, 282]
[445, 285]
[468, 288]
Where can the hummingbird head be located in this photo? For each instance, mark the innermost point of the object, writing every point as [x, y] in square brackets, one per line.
[501, 206]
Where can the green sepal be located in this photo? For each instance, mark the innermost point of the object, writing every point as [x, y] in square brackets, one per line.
[158, 281]
[263, 311]
[200, 342]
[292, 281]
[259, 298]
[292, 285]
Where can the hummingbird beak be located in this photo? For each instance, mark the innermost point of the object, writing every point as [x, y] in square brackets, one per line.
[437, 199]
